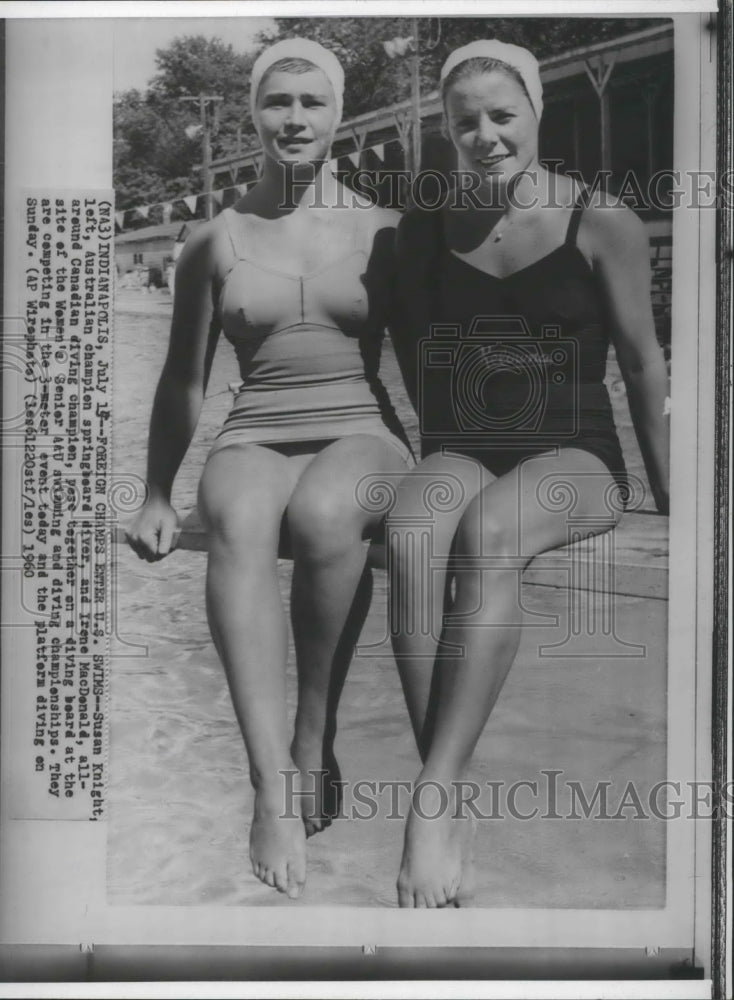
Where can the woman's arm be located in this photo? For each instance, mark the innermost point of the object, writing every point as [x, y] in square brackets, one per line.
[180, 392]
[622, 260]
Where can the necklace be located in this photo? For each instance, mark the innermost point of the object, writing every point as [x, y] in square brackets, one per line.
[498, 233]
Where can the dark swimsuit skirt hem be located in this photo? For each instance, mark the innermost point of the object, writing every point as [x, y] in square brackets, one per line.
[502, 461]
[227, 437]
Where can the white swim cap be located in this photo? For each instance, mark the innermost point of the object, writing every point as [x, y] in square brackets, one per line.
[299, 48]
[519, 59]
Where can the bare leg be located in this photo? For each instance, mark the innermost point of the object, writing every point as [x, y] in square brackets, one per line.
[330, 599]
[505, 521]
[242, 496]
[433, 496]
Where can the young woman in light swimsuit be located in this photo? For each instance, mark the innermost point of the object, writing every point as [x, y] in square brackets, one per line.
[541, 280]
[297, 276]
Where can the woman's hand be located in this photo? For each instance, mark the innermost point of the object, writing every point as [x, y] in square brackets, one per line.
[153, 533]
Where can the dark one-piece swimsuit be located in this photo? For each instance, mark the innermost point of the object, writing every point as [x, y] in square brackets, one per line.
[515, 366]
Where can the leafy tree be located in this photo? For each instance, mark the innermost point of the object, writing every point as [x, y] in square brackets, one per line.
[157, 146]
[153, 156]
[195, 65]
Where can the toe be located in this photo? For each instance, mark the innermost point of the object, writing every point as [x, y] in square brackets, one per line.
[440, 898]
[405, 895]
[420, 901]
[296, 878]
[281, 879]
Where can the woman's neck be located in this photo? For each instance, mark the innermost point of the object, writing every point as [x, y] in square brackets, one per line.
[523, 191]
[289, 187]
[502, 208]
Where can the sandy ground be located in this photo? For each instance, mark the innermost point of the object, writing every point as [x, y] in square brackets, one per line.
[180, 795]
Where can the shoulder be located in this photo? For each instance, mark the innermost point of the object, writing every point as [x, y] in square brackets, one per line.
[374, 229]
[206, 236]
[417, 229]
[377, 219]
[612, 230]
[371, 218]
[206, 246]
[357, 202]
[384, 218]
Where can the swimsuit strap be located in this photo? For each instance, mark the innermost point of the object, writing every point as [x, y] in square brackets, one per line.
[235, 237]
[573, 223]
[239, 246]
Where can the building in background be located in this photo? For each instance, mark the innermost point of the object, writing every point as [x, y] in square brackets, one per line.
[144, 256]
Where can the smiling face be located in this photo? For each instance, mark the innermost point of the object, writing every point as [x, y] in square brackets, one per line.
[493, 126]
[296, 115]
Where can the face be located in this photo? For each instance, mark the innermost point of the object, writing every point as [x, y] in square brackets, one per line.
[493, 126]
[296, 116]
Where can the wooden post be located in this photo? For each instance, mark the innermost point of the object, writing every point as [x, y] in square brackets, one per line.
[651, 92]
[599, 76]
[606, 140]
[206, 150]
[576, 137]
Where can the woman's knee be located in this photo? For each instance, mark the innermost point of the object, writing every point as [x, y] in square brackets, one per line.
[239, 510]
[485, 530]
[324, 521]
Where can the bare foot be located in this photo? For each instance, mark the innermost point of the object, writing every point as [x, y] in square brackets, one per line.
[435, 858]
[465, 893]
[277, 843]
[321, 787]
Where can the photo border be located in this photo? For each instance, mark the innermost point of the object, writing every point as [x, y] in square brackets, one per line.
[721, 847]
[721, 873]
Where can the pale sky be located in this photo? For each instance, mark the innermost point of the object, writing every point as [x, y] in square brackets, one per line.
[137, 38]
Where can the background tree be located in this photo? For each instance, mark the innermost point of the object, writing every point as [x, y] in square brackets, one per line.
[155, 158]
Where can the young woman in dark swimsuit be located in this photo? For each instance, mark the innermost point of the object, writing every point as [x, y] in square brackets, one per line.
[297, 276]
[530, 280]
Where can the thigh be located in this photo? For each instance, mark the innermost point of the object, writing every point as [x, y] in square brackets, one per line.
[346, 482]
[245, 488]
[435, 495]
[544, 502]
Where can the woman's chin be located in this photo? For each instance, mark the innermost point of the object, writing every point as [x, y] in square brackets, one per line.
[496, 183]
[295, 161]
